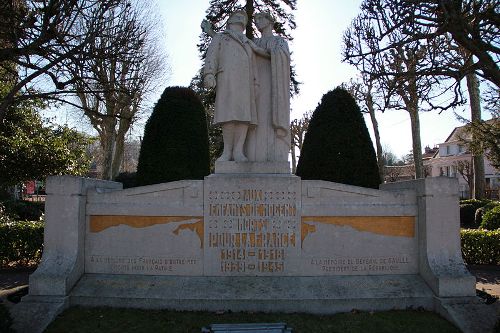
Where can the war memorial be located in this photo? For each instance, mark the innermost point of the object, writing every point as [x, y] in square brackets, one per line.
[252, 236]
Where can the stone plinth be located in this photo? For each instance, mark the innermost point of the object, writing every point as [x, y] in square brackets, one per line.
[231, 167]
[252, 225]
[252, 242]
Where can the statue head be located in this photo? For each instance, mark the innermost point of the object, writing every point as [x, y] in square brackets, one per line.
[238, 17]
[263, 19]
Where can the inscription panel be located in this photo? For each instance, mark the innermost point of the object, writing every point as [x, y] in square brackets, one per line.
[141, 265]
[251, 229]
[363, 245]
[144, 245]
[401, 264]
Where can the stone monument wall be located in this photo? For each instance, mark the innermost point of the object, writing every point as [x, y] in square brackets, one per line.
[250, 242]
[251, 225]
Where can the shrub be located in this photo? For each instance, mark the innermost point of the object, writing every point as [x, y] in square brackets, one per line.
[337, 146]
[175, 144]
[491, 219]
[472, 210]
[24, 210]
[476, 202]
[484, 209]
[128, 179]
[467, 216]
[480, 246]
[4, 217]
[21, 242]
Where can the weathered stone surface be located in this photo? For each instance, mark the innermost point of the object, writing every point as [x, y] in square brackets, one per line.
[35, 313]
[469, 314]
[252, 225]
[440, 258]
[64, 235]
[348, 230]
[254, 242]
[231, 167]
[319, 295]
[155, 230]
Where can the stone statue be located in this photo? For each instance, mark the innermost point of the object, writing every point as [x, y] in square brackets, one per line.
[270, 140]
[252, 82]
[229, 66]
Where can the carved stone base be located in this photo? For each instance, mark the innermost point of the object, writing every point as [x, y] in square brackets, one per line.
[252, 167]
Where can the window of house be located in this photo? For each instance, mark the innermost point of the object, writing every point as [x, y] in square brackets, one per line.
[453, 171]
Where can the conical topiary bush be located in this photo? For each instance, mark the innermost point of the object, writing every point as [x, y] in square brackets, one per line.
[337, 146]
[175, 144]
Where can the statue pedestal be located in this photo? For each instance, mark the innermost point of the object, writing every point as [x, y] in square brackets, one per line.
[280, 167]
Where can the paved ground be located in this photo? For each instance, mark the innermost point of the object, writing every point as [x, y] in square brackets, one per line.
[487, 278]
[12, 283]
[16, 281]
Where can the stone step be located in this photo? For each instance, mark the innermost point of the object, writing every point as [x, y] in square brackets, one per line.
[321, 295]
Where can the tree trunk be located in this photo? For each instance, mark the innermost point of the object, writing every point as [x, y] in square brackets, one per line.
[417, 145]
[294, 157]
[118, 156]
[249, 8]
[475, 108]
[119, 147]
[371, 111]
[108, 146]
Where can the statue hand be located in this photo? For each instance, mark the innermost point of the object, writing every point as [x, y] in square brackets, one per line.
[281, 133]
[259, 50]
[209, 81]
[206, 27]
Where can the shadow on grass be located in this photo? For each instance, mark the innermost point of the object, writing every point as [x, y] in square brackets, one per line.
[79, 319]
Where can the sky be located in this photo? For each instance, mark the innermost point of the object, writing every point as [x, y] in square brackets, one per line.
[316, 53]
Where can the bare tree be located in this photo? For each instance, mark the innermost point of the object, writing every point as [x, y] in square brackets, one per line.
[39, 38]
[298, 129]
[465, 169]
[112, 85]
[475, 107]
[398, 67]
[364, 92]
[470, 24]
[393, 173]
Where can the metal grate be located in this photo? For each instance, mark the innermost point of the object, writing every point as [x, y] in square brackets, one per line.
[247, 328]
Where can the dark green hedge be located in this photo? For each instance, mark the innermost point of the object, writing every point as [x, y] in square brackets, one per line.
[480, 246]
[337, 146]
[21, 242]
[24, 210]
[491, 219]
[128, 179]
[472, 211]
[175, 143]
[467, 216]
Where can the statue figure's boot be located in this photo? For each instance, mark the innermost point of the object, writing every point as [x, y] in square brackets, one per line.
[228, 130]
[240, 135]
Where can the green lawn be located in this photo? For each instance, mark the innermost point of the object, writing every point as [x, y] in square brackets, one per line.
[128, 320]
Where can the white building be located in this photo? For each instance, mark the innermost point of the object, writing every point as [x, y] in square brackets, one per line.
[454, 160]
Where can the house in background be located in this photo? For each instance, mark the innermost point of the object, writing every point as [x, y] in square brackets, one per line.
[450, 159]
[453, 159]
